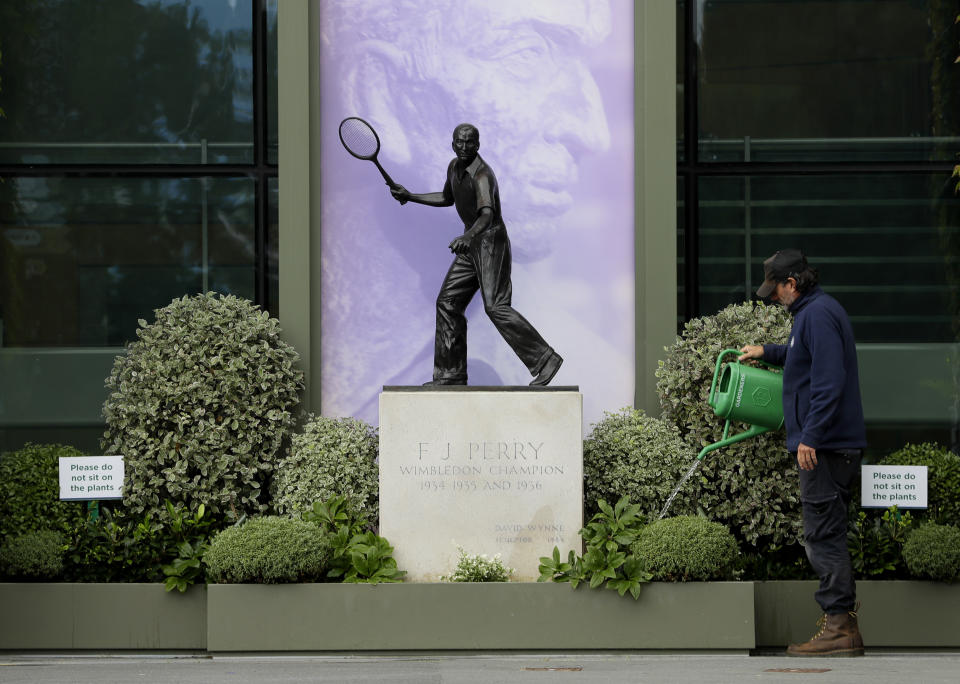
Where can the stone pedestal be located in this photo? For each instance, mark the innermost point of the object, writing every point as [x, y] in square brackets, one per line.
[490, 469]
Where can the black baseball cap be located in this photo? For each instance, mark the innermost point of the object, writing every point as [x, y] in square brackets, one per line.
[784, 264]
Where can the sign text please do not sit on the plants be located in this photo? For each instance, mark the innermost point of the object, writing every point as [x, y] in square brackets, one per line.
[88, 478]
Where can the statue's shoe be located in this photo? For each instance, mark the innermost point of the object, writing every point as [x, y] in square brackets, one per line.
[549, 369]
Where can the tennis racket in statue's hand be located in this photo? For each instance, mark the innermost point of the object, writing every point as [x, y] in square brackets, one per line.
[360, 140]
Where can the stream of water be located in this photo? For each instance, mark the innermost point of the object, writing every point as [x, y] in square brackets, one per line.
[683, 481]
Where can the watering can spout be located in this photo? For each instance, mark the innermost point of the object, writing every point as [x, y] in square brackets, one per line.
[754, 431]
[746, 394]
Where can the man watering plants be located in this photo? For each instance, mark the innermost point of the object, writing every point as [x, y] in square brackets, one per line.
[825, 433]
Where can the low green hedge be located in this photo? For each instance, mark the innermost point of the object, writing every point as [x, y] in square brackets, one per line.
[933, 552]
[268, 550]
[33, 556]
[687, 547]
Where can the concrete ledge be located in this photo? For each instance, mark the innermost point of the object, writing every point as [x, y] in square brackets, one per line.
[893, 614]
[735, 616]
[102, 616]
[534, 616]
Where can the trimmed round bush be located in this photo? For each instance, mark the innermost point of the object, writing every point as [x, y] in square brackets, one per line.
[932, 551]
[268, 550]
[943, 479]
[199, 406]
[30, 491]
[687, 547]
[751, 486]
[330, 457]
[629, 453]
[34, 555]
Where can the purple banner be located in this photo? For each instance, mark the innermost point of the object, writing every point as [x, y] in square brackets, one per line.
[549, 84]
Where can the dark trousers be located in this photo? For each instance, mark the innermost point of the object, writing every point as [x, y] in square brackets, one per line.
[487, 268]
[825, 496]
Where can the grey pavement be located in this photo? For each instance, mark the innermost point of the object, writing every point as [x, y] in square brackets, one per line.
[876, 668]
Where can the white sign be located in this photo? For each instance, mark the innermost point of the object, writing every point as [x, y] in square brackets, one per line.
[900, 486]
[496, 472]
[91, 478]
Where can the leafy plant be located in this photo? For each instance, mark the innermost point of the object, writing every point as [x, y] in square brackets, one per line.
[336, 513]
[117, 547]
[932, 551]
[358, 553]
[199, 406]
[752, 486]
[479, 568]
[629, 453]
[943, 479]
[30, 492]
[192, 531]
[371, 561]
[187, 567]
[330, 457]
[608, 559]
[876, 544]
[553, 569]
[268, 550]
[34, 555]
[687, 547]
[184, 526]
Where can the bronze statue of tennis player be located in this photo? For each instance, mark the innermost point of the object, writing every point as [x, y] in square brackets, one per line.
[482, 262]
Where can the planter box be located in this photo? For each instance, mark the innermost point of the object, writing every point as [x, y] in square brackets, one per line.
[102, 616]
[897, 614]
[526, 616]
[514, 616]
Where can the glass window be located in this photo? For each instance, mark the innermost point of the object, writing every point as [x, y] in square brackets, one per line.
[681, 255]
[681, 68]
[84, 258]
[273, 136]
[828, 80]
[273, 247]
[147, 81]
[887, 246]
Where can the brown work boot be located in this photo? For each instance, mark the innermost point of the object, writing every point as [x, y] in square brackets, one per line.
[838, 635]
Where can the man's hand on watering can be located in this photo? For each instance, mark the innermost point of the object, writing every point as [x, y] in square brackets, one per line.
[751, 351]
[806, 457]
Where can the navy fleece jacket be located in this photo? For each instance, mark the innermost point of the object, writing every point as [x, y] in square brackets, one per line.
[821, 385]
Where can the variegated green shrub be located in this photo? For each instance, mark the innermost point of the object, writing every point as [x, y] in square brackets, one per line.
[330, 457]
[631, 454]
[199, 405]
[751, 486]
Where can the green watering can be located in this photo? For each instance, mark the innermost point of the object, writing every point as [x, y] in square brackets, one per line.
[746, 394]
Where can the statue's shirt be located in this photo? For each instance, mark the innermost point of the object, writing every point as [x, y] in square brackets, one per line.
[472, 189]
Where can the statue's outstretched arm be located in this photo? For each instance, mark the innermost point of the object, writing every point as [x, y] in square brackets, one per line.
[431, 199]
[444, 198]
